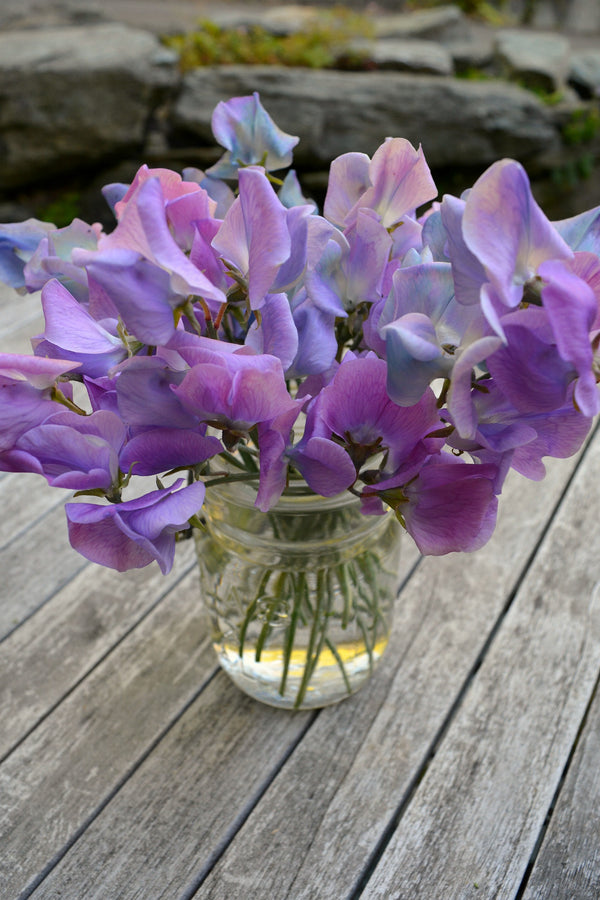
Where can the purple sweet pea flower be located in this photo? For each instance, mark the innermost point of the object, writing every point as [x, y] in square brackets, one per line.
[39, 373]
[451, 506]
[157, 450]
[18, 243]
[71, 333]
[71, 451]
[237, 393]
[144, 232]
[317, 345]
[141, 293]
[26, 396]
[519, 439]
[276, 334]
[467, 271]
[254, 237]
[173, 187]
[325, 465]
[216, 189]
[507, 232]
[145, 396]
[250, 136]
[572, 309]
[393, 183]
[528, 368]
[132, 534]
[355, 412]
[423, 327]
[290, 193]
[53, 258]
[582, 232]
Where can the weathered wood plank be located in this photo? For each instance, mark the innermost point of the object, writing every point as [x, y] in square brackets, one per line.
[34, 567]
[225, 751]
[37, 559]
[335, 798]
[53, 650]
[23, 500]
[568, 864]
[56, 779]
[476, 816]
[213, 763]
[20, 319]
[316, 826]
[17, 311]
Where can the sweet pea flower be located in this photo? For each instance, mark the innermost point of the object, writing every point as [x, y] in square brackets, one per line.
[507, 232]
[423, 326]
[582, 232]
[317, 345]
[355, 413]
[250, 137]
[393, 183]
[18, 243]
[217, 190]
[237, 393]
[254, 237]
[71, 451]
[72, 333]
[520, 439]
[572, 309]
[143, 235]
[53, 258]
[451, 506]
[132, 534]
[276, 333]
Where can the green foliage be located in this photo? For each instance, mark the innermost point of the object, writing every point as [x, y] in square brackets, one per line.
[320, 46]
[62, 210]
[582, 127]
[494, 12]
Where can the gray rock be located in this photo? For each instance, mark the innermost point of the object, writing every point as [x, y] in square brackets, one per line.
[17, 14]
[472, 54]
[538, 60]
[76, 96]
[426, 57]
[578, 16]
[442, 23]
[584, 74]
[459, 123]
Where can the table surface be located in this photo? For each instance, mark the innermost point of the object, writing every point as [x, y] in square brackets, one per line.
[469, 767]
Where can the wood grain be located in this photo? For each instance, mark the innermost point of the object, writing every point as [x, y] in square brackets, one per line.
[68, 636]
[54, 782]
[313, 831]
[568, 864]
[490, 786]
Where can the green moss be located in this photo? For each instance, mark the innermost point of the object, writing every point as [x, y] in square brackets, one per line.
[493, 12]
[62, 210]
[320, 46]
[582, 127]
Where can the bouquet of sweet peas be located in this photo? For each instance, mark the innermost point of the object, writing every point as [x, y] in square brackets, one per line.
[227, 330]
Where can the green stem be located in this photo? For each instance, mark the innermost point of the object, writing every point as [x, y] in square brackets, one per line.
[250, 612]
[299, 590]
[225, 479]
[272, 609]
[333, 649]
[342, 573]
[311, 657]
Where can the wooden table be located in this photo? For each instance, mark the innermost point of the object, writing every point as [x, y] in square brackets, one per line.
[468, 768]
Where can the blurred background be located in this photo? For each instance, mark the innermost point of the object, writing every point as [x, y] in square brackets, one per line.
[90, 90]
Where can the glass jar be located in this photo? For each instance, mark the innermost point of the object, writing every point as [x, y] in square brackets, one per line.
[300, 598]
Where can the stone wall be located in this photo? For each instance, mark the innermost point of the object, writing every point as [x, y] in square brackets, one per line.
[81, 104]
